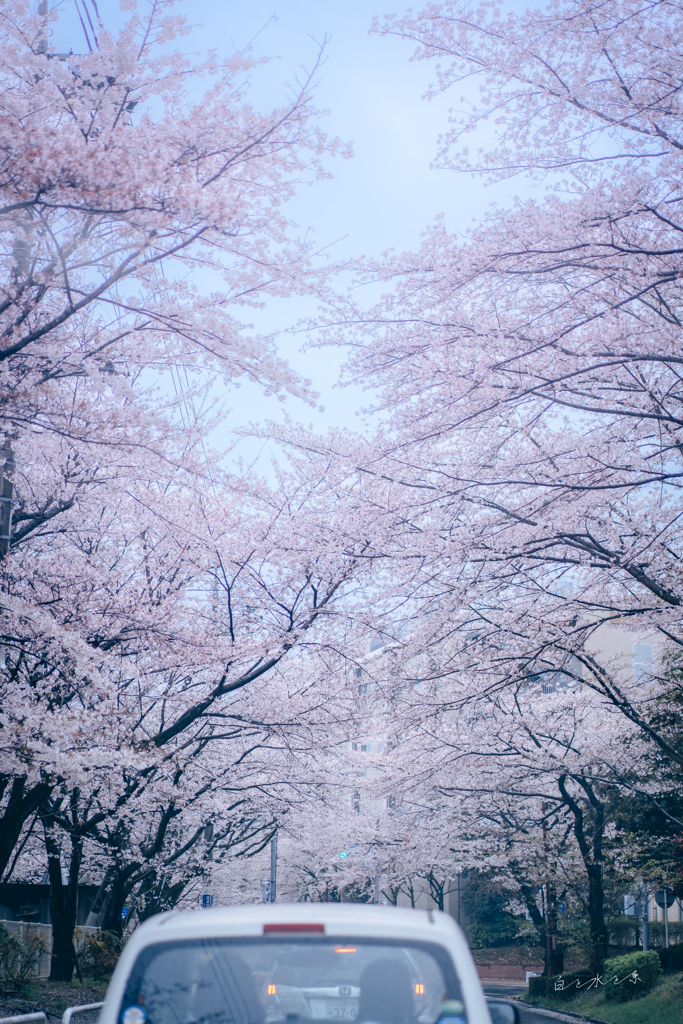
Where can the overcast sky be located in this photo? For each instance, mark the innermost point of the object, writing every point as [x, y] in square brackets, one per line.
[385, 196]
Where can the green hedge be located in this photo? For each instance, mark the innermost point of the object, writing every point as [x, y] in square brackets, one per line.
[627, 977]
[656, 933]
[623, 978]
[563, 986]
[672, 958]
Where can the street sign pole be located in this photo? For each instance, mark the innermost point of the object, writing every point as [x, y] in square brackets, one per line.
[644, 900]
[664, 900]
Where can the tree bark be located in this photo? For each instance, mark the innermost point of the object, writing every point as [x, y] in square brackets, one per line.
[119, 893]
[596, 901]
[391, 893]
[21, 805]
[98, 902]
[529, 894]
[63, 900]
[591, 852]
[436, 889]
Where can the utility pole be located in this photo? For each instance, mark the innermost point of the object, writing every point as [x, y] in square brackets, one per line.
[666, 919]
[459, 873]
[273, 869]
[6, 498]
[42, 42]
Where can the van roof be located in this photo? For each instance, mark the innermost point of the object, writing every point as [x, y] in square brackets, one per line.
[337, 918]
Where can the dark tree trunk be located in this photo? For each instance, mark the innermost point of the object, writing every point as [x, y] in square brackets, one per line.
[529, 895]
[436, 889]
[21, 805]
[63, 900]
[591, 852]
[391, 892]
[118, 895]
[155, 896]
[596, 913]
[409, 890]
[100, 897]
[137, 873]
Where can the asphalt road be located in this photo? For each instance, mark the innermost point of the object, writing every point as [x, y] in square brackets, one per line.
[528, 1015]
[501, 990]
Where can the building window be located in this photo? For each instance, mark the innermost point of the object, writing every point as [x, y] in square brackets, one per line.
[551, 682]
[363, 688]
[643, 663]
[356, 802]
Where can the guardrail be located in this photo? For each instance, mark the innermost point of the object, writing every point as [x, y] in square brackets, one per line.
[25, 1018]
[69, 1012]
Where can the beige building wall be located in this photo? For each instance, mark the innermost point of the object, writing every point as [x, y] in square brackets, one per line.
[624, 650]
[36, 936]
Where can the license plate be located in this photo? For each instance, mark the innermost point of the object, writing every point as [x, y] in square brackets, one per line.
[334, 1009]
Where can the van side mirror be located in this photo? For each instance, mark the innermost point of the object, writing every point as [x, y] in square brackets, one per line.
[503, 1012]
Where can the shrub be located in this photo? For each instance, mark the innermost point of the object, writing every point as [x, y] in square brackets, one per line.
[502, 931]
[563, 986]
[485, 898]
[18, 960]
[627, 977]
[100, 955]
[625, 931]
[655, 933]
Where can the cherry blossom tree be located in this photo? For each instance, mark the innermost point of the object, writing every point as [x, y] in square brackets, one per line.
[521, 496]
[118, 195]
[115, 190]
[524, 486]
[527, 784]
[152, 601]
[220, 628]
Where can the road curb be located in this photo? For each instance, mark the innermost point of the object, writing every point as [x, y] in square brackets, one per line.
[565, 1015]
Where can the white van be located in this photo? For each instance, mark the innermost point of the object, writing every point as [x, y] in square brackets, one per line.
[300, 963]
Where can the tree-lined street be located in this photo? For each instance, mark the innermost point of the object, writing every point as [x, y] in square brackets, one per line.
[436, 652]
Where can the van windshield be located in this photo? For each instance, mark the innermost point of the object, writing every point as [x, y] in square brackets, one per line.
[282, 981]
